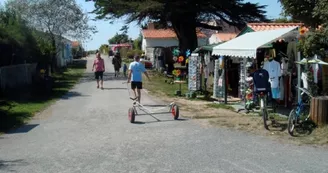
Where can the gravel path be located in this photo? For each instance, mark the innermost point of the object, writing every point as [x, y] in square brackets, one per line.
[88, 131]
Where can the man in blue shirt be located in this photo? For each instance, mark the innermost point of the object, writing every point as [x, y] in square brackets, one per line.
[136, 69]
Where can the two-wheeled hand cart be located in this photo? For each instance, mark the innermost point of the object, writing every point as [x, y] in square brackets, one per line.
[172, 108]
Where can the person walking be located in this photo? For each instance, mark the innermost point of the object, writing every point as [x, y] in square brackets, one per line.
[99, 68]
[117, 61]
[136, 69]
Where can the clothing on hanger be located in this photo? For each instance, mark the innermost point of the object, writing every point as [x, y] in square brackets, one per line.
[291, 53]
[315, 68]
[272, 53]
[304, 79]
[274, 70]
[206, 59]
[284, 67]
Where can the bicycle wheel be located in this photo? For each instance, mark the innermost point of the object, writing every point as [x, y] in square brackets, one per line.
[131, 115]
[292, 120]
[264, 114]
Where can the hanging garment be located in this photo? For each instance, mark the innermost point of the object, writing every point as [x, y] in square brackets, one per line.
[274, 70]
[291, 53]
[272, 53]
[207, 58]
[304, 79]
[211, 66]
[281, 87]
[315, 68]
[284, 67]
[260, 78]
[275, 93]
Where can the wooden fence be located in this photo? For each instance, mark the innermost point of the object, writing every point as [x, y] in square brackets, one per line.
[16, 76]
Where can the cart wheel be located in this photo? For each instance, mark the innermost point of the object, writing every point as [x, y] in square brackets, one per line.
[175, 111]
[131, 115]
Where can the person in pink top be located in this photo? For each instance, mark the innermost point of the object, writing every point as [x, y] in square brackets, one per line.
[99, 68]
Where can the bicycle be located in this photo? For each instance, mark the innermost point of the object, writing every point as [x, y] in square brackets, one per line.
[262, 95]
[301, 110]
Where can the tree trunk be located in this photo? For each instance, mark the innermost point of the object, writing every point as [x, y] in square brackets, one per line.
[319, 110]
[53, 56]
[185, 29]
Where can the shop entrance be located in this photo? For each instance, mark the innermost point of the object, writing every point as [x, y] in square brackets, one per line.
[233, 78]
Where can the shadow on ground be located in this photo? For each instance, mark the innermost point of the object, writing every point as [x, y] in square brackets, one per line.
[304, 129]
[90, 77]
[19, 105]
[23, 129]
[157, 121]
[7, 164]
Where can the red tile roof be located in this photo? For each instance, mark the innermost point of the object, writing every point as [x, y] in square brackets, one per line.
[271, 26]
[225, 36]
[164, 33]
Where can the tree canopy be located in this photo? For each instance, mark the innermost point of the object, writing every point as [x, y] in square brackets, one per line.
[119, 38]
[183, 16]
[16, 38]
[313, 13]
[57, 18]
[305, 11]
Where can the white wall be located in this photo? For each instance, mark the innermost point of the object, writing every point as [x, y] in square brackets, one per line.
[214, 39]
[143, 45]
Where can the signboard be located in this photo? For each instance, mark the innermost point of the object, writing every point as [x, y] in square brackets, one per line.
[194, 74]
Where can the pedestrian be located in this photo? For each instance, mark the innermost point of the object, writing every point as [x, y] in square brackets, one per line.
[117, 61]
[99, 69]
[125, 68]
[136, 69]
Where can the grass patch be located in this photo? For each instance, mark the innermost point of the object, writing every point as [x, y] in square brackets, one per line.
[19, 107]
[127, 61]
[158, 86]
[221, 106]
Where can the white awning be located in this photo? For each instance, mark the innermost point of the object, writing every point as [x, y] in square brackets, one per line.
[246, 45]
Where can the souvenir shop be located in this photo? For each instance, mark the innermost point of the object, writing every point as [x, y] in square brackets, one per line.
[201, 67]
[273, 50]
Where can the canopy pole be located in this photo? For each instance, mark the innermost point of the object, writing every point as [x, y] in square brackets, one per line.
[225, 80]
[299, 76]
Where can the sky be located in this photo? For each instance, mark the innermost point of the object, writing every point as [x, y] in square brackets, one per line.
[107, 30]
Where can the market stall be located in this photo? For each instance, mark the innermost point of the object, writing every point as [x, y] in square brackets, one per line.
[275, 49]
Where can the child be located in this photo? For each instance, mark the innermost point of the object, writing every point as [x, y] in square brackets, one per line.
[125, 68]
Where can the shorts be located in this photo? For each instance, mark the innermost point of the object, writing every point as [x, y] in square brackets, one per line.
[135, 85]
[99, 74]
[275, 93]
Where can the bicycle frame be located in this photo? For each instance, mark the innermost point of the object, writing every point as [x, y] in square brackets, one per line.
[301, 105]
[263, 104]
